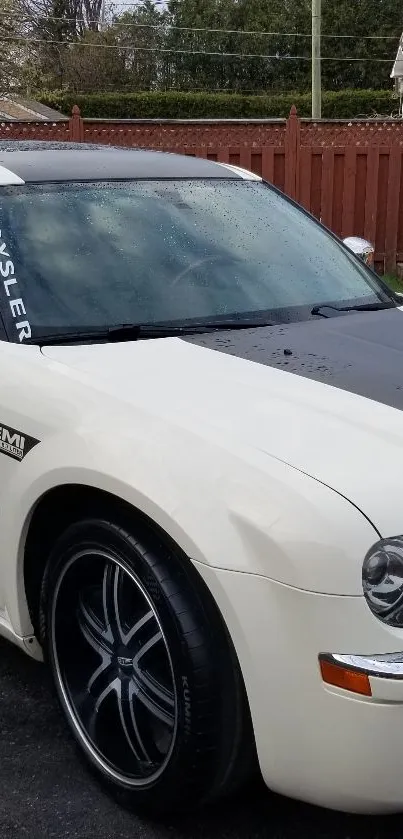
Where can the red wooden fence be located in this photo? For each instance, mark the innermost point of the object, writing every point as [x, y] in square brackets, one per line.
[348, 174]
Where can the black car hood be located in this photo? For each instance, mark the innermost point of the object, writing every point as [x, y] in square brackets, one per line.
[335, 415]
[360, 352]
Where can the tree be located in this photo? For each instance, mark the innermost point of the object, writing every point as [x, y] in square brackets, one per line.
[191, 65]
[94, 63]
[229, 45]
[12, 51]
[284, 72]
[359, 18]
[49, 27]
[142, 34]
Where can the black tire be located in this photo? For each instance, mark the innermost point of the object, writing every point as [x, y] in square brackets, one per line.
[167, 734]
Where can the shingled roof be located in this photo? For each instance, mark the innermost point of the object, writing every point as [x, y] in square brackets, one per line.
[397, 71]
[14, 108]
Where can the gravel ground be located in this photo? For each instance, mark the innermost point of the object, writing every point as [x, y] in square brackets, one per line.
[46, 792]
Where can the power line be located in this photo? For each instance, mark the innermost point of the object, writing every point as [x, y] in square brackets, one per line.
[110, 88]
[134, 5]
[277, 56]
[316, 59]
[170, 26]
[255, 32]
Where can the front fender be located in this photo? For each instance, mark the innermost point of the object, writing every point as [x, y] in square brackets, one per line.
[226, 506]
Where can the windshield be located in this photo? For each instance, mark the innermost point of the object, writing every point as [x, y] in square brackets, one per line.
[97, 255]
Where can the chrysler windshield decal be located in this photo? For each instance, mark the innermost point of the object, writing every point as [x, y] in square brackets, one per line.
[15, 444]
[10, 288]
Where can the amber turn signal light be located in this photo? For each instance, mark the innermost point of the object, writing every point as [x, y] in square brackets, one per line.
[341, 677]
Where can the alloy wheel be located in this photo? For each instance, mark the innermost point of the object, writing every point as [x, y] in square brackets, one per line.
[113, 667]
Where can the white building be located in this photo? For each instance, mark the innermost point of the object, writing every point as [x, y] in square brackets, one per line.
[397, 72]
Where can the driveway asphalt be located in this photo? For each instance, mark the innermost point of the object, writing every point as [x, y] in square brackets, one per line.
[46, 792]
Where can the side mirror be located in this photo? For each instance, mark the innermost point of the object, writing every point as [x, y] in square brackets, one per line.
[363, 249]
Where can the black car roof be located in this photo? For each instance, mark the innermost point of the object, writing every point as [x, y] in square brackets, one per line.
[37, 162]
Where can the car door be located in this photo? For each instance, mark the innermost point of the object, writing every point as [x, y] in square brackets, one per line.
[18, 431]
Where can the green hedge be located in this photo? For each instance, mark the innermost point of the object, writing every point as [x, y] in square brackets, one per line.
[345, 104]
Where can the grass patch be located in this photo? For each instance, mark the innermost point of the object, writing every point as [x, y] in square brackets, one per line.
[393, 282]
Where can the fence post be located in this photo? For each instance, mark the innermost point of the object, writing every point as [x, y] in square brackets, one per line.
[292, 145]
[76, 126]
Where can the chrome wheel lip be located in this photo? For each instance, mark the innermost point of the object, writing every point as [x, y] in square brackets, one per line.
[94, 753]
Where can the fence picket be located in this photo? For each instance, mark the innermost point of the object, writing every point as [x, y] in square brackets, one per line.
[371, 197]
[313, 162]
[392, 208]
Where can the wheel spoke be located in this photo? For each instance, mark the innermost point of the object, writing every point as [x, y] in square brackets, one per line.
[157, 700]
[155, 697]
[92, 630]
[110, 601]
[101, 674]
[129, 636]
[146, 648]
[102, 682]
[129, 723]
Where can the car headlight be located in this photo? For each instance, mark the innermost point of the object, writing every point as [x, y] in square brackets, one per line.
[382, 580]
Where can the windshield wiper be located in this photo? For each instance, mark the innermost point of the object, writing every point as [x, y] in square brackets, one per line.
[360, 307]
[138, 331]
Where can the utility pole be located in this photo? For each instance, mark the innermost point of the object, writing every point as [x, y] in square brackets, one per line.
[316, 60]
[102, 16]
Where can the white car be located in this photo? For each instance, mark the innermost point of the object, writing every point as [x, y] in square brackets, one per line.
[201, 468]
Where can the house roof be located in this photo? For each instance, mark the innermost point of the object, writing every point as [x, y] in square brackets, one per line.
[397, 71]
[14, 108]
